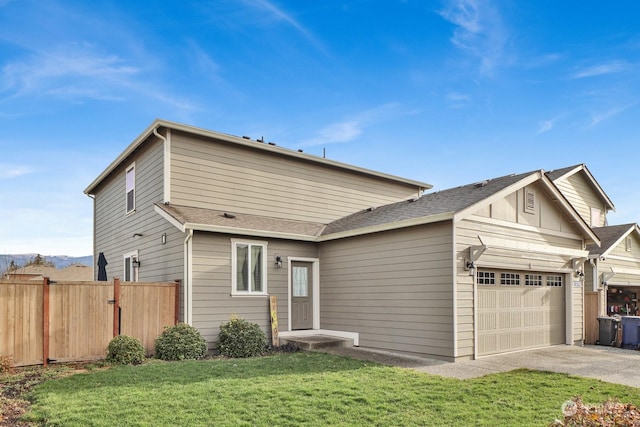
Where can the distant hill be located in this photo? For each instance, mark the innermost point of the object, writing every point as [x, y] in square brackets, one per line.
[59, 261]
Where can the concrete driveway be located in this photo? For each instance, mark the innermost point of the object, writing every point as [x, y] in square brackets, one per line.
[609, 364]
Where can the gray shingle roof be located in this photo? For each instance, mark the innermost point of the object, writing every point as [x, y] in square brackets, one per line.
[608, 237]
[557, 173]
[211, 217]
[451, 200]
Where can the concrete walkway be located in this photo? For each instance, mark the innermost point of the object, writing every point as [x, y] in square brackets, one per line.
[609, 364]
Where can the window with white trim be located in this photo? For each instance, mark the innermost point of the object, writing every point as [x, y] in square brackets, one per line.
[131, 266]
[510, 279]
[533, 279]
[248, 268]
[130, 178]
[486, 278]
[554, 281]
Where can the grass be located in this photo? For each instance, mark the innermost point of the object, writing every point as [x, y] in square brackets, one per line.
[306, 388]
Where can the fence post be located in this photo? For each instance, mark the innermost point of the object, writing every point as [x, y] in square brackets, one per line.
[116, 307]
[177, 307]
[45, 322]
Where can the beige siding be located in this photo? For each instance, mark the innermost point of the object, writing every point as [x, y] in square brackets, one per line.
[212, 300]
[580, 193]
[506, 220]
[394, 288]
[577, 298]
[114, 229]
[211, 174]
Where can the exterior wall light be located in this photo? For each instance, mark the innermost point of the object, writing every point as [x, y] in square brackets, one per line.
[278, 261]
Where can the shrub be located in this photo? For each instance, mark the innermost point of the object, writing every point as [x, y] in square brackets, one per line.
[180, 342]
[239, 338]
[125, 350]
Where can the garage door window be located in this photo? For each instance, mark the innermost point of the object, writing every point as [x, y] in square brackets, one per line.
[533, 279]
[486, 278]
[510, 279]
[554, 281]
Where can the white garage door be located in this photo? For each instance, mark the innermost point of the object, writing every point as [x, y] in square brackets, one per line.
[519, 310]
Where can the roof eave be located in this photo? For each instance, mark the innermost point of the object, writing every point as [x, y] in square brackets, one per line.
[387, 226]
[420, 186]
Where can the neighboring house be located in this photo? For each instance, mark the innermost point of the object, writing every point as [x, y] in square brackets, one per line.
[490, 267]
[612, 272]
[76, 272]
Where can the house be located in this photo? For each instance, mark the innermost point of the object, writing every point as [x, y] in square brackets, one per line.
[485, 268]
[74, 272]
[612, 273]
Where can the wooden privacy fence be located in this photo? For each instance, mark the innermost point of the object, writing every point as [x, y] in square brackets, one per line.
[50, 321]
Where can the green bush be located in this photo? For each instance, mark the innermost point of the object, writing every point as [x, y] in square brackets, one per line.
[180, 342]
[125, 350]
[239, 338]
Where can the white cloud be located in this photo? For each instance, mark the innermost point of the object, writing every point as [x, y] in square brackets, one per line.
[281, 15]
[457, 99]
[600, 69]
[479, 31]
[350, 129]
[597, 118]
[72, 70]
[545, 126]
[13, 171]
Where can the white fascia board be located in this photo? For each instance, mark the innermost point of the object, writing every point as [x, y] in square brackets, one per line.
[388, 226]
[632, 228]
[593, 182]
[420, 186]
[180, 226]
[496, 243]
[249, 232]
[126, 153]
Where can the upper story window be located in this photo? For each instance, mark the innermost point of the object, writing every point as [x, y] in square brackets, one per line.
[595, 217]
[131, 188]
[248, 268]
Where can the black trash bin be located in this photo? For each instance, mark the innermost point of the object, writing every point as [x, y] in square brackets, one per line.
[608, 327]
[630, 331]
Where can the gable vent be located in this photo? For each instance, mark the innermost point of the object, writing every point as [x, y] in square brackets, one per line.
[529, 200]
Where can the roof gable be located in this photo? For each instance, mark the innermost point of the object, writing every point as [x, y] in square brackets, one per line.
[452, 204]
[612, 236]
[563, 174]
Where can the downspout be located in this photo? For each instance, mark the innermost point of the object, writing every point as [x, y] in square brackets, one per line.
[188, 317]
[166, 147]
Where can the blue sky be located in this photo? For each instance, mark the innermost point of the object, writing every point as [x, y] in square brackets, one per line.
[447, 92]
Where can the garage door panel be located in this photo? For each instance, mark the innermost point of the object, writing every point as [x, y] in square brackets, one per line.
[514, 317]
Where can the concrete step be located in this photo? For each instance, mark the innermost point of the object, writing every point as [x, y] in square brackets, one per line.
[316, 342]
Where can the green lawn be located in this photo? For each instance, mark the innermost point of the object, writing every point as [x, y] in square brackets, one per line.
[310, 389]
